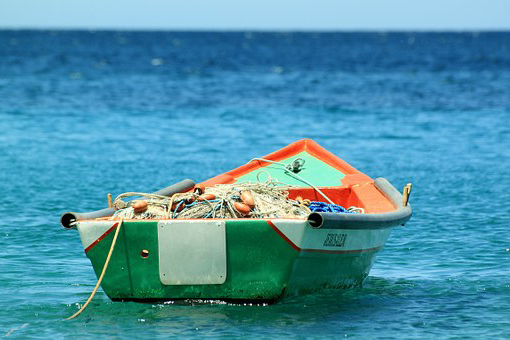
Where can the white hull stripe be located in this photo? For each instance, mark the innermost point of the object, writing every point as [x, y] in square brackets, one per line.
[91, 233]
[296, 233]
[333, 241]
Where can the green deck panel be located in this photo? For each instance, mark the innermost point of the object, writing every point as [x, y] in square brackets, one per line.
[314, 171]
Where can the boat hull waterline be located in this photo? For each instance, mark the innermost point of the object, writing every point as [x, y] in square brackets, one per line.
[266, 259]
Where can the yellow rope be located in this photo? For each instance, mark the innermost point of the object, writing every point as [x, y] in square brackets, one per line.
[102, 274]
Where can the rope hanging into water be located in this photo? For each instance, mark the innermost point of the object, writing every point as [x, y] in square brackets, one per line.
[119, 224]
[291, 169]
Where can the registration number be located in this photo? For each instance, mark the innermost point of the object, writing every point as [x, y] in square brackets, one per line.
[335, 240]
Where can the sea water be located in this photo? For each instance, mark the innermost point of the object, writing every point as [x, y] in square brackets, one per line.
[83, 114]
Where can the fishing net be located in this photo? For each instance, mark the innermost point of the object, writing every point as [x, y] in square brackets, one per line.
[239, 200]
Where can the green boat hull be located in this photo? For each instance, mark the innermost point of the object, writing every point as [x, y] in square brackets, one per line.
[263, 260]
[248, 258]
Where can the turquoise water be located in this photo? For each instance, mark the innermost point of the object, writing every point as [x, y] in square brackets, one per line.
[83, 114]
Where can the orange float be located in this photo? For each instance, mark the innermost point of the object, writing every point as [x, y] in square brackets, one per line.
[139, 206]
[206, 197]
[248, 199]
[178, 206]
[242, 208]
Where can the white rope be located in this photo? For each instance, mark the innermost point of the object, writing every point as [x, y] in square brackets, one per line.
[354, 209]
[292, 174]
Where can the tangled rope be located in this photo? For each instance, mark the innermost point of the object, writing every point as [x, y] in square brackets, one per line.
[239, 200]
[267, 199]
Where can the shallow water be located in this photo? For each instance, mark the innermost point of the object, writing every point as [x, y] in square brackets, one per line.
[87, 113]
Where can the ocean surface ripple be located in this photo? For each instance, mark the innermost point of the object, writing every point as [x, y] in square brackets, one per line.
[83, 114]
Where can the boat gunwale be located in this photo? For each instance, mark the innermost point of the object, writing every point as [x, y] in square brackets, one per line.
[399, 216]
[390, 219]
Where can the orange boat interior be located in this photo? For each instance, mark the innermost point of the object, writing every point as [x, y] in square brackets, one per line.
[353, 189]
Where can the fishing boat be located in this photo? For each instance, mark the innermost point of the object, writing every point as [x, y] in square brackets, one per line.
[247, 257]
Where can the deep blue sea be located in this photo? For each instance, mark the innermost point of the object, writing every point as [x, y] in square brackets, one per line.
[83, 114]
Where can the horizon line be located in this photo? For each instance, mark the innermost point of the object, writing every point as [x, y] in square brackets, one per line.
[262, 30]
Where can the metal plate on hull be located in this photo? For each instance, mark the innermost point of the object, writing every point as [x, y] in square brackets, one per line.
[192, 252]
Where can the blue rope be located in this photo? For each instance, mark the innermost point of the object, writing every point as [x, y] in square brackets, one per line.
[177, 208]
[326, 207]
[212, 211]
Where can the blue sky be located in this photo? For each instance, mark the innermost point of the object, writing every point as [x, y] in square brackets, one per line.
[257, 14]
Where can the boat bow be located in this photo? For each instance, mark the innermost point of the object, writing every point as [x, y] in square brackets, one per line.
[400, 216]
